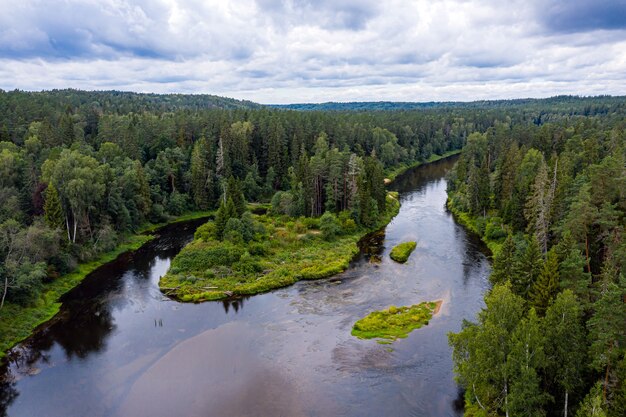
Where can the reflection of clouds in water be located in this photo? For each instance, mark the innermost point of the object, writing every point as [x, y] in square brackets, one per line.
[288, 352]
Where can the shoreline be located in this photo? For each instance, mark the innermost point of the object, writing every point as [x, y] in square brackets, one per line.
[392, 175]
[18, 323]
[469, 222]
[345, 248]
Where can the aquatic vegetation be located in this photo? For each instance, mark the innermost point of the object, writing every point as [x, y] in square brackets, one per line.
[395, 322]
[400, 253]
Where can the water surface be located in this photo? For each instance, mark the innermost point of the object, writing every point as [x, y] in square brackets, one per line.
[120, 348]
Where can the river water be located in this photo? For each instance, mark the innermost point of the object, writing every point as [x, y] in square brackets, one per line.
[120, 348]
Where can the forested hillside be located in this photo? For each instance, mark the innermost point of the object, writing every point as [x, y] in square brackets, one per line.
[551, 201]
[564, 105]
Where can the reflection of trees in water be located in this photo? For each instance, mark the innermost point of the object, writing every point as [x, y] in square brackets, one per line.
[416, 180]
[473, 251]
[235, 303]
[8, 393]
[372, 243]
[85, 334]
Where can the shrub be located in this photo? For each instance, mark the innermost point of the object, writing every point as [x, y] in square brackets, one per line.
[206, 232]
[234, 231]
[311, 222]
[494, 229]
[329, 225]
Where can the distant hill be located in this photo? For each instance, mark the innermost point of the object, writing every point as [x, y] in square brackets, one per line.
[575, 102]
[117, 101]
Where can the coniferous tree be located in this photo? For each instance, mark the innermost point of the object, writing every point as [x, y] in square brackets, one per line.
[200, 174]
[53, 211]
[546, 287]
[527, 268]
[503, 263]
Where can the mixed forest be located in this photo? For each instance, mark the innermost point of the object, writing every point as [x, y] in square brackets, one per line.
[550, 200]
[80, 172]
[542, 181]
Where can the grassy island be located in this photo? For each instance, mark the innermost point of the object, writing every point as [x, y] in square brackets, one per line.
[400, 253]
[395, 322]
[280, 251]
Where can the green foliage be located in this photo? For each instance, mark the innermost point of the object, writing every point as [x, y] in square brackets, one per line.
[561, 182]
[276, 256]
[401, 252]
[546, 287]
[329, 225]
[592, 405]
[395, 322]
[53, 212]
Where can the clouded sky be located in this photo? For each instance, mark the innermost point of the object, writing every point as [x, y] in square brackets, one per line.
[285, 51]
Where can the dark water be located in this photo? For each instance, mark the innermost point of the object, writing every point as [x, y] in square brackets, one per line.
[120, 348]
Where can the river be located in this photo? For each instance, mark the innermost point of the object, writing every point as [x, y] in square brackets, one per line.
[120, 348]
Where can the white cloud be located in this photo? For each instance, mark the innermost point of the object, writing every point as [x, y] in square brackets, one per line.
[276, 51]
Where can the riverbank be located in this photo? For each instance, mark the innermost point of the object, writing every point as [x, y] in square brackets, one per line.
[391, 175]
[287, 251]
[18, 323]
[487, 228]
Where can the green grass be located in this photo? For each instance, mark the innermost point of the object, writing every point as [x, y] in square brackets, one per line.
[474, 224]
[400, 253]
[394, 173]
[17, 322]
[289, 252]
[395, 322]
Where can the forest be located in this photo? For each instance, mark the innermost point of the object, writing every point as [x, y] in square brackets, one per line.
[550, 201]
[542, 181]
[81, 172]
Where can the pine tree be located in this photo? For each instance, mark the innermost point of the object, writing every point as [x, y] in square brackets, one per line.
[53, 211]
[527, 267]
[199, 174]
[546, 287]
[233, 192]
[572, 274]
[225, 212]
[503, 267]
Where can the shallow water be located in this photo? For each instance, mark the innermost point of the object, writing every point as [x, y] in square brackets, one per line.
[120, 348]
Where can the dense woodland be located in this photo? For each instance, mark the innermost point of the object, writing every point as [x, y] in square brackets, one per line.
[546, 179]
[552, 338]
[79, 170]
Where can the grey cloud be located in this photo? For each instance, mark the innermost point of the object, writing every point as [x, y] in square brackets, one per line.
[570, 16]
[306, 50]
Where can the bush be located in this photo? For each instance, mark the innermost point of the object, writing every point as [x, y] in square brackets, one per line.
[494, 229]
[329, 225]
[28, 281]
[348, 225]
[282, 203]
[234, 231]
[157, 214]
[310, 222]
[299, 227]
[206, 232]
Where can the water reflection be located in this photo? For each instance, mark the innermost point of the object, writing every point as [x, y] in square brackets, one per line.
[235, 303]
[120, 347]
